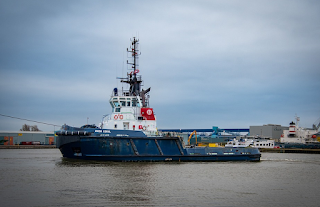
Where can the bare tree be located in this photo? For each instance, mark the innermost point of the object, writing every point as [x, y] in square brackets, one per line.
[33, 128]
[25, 127]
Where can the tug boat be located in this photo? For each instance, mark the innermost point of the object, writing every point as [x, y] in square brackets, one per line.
[130, 133]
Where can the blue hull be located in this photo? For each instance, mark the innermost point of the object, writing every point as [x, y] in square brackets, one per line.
[134, 146]
[185, 158]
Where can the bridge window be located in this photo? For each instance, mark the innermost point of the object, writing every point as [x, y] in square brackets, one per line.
[134, 102]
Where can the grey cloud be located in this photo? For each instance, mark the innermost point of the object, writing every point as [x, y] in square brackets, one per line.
[233, 63]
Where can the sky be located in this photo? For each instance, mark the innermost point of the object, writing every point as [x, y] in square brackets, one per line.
[231, 64]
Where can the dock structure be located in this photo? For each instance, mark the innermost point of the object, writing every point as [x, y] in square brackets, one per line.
[290, 150]
[203, 130]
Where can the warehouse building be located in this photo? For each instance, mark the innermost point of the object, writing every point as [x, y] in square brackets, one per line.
[27, 138]
[273, 131]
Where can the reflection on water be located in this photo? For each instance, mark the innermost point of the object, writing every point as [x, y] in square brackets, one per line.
[112, 181]
[43, 178]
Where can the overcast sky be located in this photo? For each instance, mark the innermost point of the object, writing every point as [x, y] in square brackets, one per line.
[231, 64]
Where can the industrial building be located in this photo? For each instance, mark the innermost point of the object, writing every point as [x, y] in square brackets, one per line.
[27, 137]
[272, 131]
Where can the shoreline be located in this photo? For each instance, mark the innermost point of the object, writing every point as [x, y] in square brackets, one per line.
[290, 150]
[28, 147]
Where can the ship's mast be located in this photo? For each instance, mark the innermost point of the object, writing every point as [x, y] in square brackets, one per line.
[132, 78]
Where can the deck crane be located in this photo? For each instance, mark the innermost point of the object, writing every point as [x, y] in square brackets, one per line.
[195, 134]
[316, 124]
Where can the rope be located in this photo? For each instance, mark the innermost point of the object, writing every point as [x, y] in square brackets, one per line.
[29, 120]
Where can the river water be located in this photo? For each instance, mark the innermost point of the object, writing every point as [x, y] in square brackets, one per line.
[41, 177]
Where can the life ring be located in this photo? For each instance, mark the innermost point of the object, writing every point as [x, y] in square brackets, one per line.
[144, 128]
[115, 117]
[120, 116]
[149, 112]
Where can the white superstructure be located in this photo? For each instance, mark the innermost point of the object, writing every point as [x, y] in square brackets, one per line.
[130, 108]
[255, 142]
[297, 134]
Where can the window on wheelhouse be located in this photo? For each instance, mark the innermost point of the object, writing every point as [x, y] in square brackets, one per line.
[116, 103]
[122, 101]
[134, 102]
